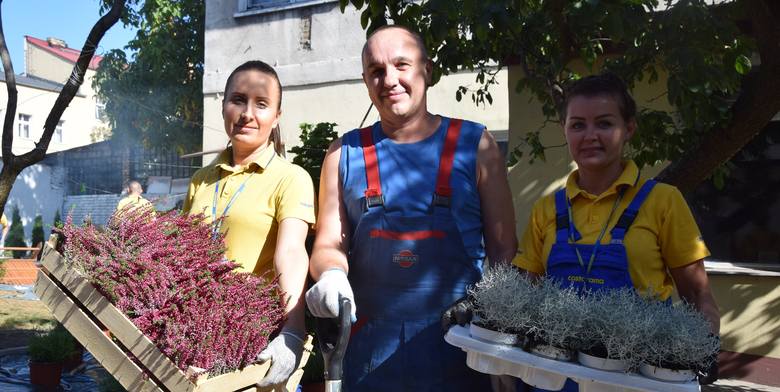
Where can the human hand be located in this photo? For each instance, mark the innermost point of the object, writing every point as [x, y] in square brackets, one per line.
[285, 353]
[461, 312]
[323, 297]
[710, 374]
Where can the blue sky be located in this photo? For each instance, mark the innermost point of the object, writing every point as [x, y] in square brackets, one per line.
[69, 20]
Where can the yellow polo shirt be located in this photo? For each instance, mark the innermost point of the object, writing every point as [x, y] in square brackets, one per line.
[3, 221]
[134, 201]
[275, 189]
[664, 234]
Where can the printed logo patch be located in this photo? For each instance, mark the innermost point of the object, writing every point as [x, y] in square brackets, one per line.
[405, 258]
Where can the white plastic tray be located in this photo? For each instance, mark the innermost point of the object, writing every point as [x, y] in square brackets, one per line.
[498, 359]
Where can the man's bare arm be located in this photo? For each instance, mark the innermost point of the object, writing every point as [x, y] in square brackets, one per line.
[332, 242]
[498, 214]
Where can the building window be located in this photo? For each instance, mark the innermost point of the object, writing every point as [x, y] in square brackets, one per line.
[253, 7]
[273, 3]
[58, 132]
[100, 110]
[23, 129]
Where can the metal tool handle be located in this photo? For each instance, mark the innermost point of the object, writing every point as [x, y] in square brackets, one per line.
[332, 385]
[333, 337]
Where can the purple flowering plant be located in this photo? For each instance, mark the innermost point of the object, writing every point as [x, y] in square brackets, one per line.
[169, 275]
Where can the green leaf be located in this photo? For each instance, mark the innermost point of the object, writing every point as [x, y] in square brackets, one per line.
[742, 64]
[365, 17]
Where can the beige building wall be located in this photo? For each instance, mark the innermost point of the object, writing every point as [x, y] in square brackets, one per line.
[45, 65]
[78, 120]
[750, 313]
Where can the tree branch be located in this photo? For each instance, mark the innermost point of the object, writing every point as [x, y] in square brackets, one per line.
[758, 102]
[10, 108]
[72, 85]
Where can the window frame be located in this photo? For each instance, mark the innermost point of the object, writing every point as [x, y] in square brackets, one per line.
[245, 8]
[59, 130]
[23, 121]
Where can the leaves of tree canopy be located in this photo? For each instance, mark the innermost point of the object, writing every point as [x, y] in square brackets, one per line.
[700, 46]
[155, 96]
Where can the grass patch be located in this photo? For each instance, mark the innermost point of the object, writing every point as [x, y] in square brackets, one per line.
[25, 315]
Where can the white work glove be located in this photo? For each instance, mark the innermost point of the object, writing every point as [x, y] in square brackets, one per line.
[285, 353]
[323, 297]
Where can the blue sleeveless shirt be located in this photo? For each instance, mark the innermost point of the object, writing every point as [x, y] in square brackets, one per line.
[408, 174]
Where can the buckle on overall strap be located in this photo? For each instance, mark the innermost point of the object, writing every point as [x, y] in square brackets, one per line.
[561, 222]
[442, 197]
[374, 198]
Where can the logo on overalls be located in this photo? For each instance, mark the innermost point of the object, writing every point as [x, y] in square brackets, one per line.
[405, 258]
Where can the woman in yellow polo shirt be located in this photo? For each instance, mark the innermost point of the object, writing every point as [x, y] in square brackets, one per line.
[610, 227]
[266, 203]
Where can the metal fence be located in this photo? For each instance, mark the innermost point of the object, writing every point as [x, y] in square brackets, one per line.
[104, 167]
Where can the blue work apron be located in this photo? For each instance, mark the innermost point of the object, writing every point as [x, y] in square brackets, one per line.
[405, 270]
[610, 268]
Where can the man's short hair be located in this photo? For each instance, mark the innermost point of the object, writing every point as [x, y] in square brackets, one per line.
[417, 37]
[134, 186]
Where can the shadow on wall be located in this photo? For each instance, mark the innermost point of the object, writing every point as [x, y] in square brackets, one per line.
[530, 182]
[38, 190]
[750, 313]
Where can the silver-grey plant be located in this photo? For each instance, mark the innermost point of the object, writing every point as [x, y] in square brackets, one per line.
[611, 319]
[505, 299]
[560, 317]
[676, 337]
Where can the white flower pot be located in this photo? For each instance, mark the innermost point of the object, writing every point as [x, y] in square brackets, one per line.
[552, 352]
[492, 336]
[611, 365]
[543, 379]
[664, 374]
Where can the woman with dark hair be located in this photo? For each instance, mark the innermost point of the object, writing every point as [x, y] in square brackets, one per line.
[609, 227]
[265, 204]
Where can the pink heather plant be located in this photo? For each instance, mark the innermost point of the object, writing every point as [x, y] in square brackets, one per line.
[171, 278]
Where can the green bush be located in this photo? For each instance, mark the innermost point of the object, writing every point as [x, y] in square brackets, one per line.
[37, 231]
[54, 346]
[315, 140]
[16, 234]
[57, 220]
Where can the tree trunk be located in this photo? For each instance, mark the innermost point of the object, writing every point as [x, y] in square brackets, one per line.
[758, 102]
[13, 165]
[7, 177]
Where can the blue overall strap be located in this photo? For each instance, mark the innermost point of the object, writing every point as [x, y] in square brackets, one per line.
[563, 225]
[561, 216]
[618, 232]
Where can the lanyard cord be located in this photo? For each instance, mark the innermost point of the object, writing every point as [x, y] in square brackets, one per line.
[600, 237]
[218, 223]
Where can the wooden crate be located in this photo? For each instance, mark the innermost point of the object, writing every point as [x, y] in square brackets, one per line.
[128, 354]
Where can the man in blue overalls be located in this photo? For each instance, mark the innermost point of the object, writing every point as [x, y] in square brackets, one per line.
[409, 208]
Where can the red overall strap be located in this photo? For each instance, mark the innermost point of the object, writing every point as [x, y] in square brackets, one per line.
[447, 158]
[373, 185]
